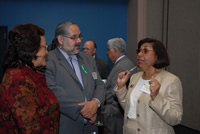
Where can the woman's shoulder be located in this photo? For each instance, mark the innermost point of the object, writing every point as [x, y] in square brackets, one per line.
[168, 76]
[19, 76]
[18, 73]
[10, 77]
[14, 72]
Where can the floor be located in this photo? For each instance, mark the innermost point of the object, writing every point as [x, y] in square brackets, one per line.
[180, 129]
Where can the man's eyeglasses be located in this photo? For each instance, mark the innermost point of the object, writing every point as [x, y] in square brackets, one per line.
[144, 50]
[75, 37]
[85, 48]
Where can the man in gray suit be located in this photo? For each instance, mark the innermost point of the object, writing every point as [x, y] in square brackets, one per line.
[74, 79]
[90, 48]
[113, 112]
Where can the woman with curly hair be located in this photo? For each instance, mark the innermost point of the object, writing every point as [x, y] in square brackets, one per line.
[27, 105]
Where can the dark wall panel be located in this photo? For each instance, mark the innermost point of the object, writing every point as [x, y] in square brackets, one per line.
[184, 51]
[3, 46]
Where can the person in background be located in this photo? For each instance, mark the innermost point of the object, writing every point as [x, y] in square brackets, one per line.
[73, 77]
[113, 112]
[153, 101]
[90, 48]
[27, 105]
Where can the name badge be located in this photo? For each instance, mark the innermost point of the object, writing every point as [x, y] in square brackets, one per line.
[94, 75]
[146, 89]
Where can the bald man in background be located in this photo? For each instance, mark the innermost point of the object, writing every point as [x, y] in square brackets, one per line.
[90, 48]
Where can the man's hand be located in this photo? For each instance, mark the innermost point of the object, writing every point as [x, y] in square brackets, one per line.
[93, 119]
[89, 109]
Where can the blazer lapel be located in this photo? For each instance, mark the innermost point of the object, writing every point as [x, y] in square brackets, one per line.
[66, 64]
[132, 83]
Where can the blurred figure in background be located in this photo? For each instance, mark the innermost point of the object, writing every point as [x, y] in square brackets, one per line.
[113, 112]
[90, 48]
[27, 105]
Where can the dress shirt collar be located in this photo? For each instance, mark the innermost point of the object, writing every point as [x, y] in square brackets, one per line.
[74, 57]
[119, 58]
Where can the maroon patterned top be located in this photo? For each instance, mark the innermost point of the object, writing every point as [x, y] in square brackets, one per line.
[26, 104]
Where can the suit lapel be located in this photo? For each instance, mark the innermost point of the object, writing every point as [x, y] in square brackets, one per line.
[63, 62]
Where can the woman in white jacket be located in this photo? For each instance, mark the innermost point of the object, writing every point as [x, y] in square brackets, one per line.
[153, 101]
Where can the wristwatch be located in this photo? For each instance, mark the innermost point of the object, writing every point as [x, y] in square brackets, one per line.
[97, 101]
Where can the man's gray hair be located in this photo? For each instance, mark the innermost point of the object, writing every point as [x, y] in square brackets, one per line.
[117, 43]
[62, 30]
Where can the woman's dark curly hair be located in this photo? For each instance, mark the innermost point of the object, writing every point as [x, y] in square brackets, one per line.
[24, 43]
[159, 50]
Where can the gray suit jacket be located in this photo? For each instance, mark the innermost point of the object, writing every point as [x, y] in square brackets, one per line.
[62, 80]
[112, 105]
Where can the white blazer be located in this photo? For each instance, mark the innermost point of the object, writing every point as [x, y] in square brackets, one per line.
[158, 116]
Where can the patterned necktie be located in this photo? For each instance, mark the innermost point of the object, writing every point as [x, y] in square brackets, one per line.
[70, 58]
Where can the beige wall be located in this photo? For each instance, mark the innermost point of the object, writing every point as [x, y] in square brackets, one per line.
[177, 24]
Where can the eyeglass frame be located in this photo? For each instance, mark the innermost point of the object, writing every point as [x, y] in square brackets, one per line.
[75, 37]
[144, 50]
[87, 49]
